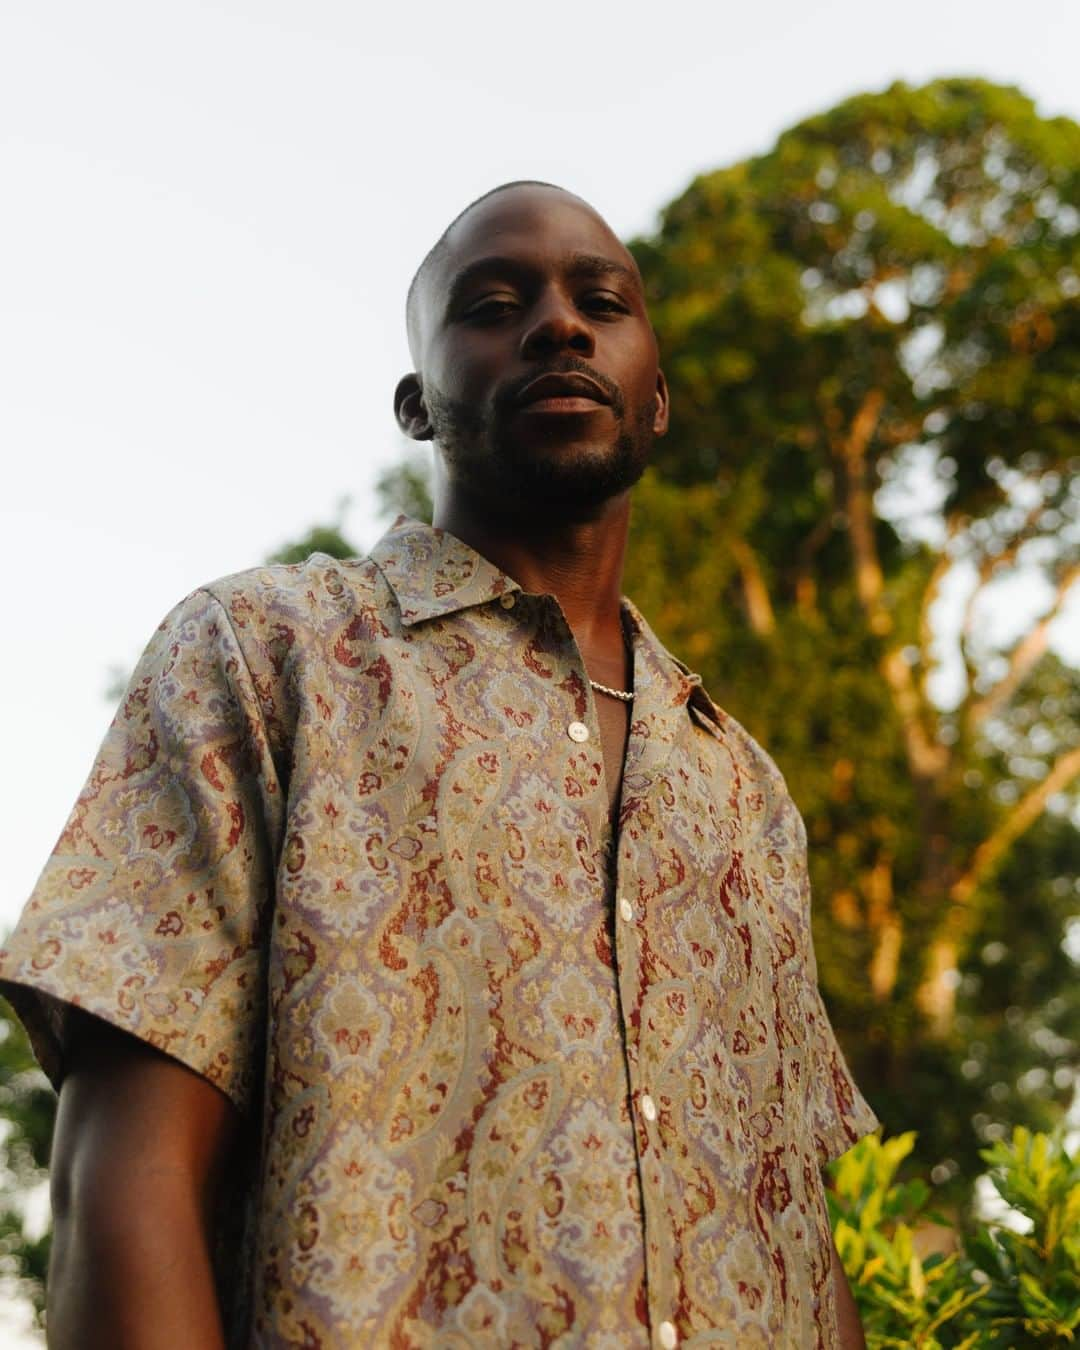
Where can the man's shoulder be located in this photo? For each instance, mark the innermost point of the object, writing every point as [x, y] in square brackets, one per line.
[301, 595]
[759, 774]
[755, 768]
[277, 617]
[318, 575]
[743, 745]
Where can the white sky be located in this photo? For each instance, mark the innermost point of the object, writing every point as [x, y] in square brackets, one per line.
[210, 215]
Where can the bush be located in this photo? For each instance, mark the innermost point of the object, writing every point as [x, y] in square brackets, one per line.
[1033, 1279]
[1000, 1289]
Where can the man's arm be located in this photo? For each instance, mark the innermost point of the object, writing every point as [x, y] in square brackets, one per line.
[847, 1315]
[138, 1152]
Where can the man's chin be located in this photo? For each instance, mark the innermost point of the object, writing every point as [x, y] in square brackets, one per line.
[569, 476]
[570, 466]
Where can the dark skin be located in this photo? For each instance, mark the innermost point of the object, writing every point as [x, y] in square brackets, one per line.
[138, 1153]
[141, 1142]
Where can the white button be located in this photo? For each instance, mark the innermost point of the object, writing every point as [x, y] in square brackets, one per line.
[508, 601]
[669, 1337]
[578, 731]
[648, 1110]
[626, 909]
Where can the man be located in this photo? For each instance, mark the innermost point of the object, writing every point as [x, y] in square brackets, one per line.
[443, 953]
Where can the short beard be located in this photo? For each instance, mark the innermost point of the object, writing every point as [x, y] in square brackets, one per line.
[486, 464]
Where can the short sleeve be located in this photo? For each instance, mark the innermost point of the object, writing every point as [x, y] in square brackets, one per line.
[837, 1115]
[153, 910]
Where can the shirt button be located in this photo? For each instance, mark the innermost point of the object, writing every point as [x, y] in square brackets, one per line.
[508, 601]
[648, 1110]
[578, 731]
[626, 909]
[669, 1337]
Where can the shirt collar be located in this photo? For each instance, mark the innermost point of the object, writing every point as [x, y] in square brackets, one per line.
[433, 574]
[664, 676]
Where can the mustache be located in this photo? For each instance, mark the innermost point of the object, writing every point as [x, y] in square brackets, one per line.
[567, 365]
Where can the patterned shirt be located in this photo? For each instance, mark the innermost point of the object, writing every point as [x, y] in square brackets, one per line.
[514, 1078]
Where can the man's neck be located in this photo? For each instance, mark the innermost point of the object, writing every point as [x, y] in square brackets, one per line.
[579, 562]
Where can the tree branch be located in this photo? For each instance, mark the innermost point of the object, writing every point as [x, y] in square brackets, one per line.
[926, 758]
[942, 568]
[1024, 655]
[805, 586]
[758, 605]
[884, 922]
[991, 563]
[1019, 819]
[868, 578]
[936, 996]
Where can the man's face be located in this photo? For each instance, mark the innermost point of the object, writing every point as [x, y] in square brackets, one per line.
[537, 362]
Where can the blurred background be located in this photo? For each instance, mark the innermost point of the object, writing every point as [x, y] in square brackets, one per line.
[859, 228]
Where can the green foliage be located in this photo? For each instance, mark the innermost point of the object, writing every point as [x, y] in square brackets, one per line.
[406, 488]
[903, 1300]
[1034, 1278]
[326, 539]
[999, 1289]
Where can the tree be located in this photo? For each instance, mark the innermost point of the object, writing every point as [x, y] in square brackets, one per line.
[871, 337]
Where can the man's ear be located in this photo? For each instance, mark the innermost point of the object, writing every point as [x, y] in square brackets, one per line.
[412, 416]
[660, 420]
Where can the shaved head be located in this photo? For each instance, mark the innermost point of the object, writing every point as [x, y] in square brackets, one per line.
[441, 247]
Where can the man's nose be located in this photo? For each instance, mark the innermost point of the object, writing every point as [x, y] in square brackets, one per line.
[557, 325]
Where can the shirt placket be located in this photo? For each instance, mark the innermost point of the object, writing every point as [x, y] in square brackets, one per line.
[631, 884]
[648, 744]
[651, 734]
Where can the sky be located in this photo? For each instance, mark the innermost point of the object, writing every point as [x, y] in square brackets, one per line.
[211, 215]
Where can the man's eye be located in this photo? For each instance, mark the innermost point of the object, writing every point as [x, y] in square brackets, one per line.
[491, 307]
[606, 302]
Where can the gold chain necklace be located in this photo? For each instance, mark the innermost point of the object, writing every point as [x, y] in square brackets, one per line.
[623, 695]
[627, 695]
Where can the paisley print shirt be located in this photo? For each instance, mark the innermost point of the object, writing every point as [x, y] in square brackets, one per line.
[513, 1078]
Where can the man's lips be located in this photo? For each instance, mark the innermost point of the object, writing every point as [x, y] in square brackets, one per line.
[569, 393]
